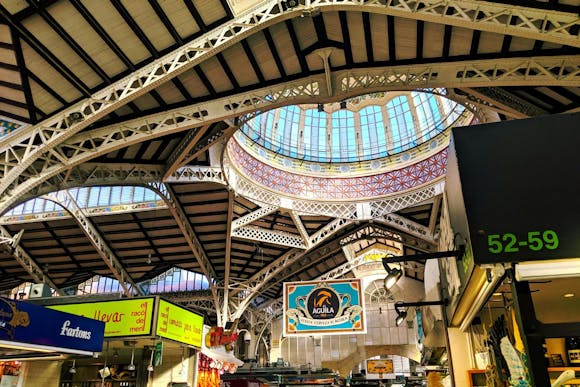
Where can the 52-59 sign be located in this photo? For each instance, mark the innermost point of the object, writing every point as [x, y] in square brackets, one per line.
[535, 241]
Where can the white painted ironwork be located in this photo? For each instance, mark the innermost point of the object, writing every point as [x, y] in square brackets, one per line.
[410, 227]
[65, 199]
[260, 279]
[252, 216]
[176, 158]
[27, 263]
[270, 236]
[189, 174]
[52, 154]
[182, 221]
[551, 71]
[346, 210]
[381, 208]
[301, 229]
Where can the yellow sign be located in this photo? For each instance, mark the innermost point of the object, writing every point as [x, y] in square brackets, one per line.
[130, 317]
[179, 324]
[383, 366]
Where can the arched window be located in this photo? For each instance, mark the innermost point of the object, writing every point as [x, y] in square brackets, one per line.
[314, 136]
[343, 136]
[372, 127]
[401, 124]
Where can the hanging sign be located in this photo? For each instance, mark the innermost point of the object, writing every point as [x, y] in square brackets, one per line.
[330, 307]
[130, 317]
[32, 324]
[515, 186]
[179, 324]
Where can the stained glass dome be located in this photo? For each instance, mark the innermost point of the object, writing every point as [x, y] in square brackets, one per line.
[367, 148]
[365, 128]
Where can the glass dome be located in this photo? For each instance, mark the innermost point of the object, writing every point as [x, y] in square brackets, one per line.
[360, 129]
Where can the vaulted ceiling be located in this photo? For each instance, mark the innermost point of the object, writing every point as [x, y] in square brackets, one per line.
[138, 93]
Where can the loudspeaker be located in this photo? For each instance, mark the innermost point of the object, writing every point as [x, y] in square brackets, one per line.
[39, 290]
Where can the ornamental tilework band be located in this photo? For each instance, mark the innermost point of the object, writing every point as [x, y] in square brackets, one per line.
[337, 188]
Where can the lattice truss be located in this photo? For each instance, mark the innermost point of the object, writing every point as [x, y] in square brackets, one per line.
[180, 217]
[37, 148]
[554, 71]
[65, 199]
[36, 273]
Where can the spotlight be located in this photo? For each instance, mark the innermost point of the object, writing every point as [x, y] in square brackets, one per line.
[320, 107]
[73, 370]
[131, 367]
[401, 317]
[343, 104]
[393, 275]
[115, 353]
[402, 314]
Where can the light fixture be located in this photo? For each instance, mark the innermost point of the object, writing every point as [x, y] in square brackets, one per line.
[131, 367]
[320, 108]
[150, 366]
[402, 313]
[393, 274]
[554, 268]
[148, 261]
[73, 370]
[569, 295]
[115, 353]
[343, 104]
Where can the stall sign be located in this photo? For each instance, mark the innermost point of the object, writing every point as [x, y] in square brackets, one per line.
[329, 307]
[32, 324]
[383, 366]
[179, 324]
[516, 181]
[131, 317]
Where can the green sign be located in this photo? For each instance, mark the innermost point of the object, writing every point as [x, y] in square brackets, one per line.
[131, 317]
[534, 241]
[179, 324]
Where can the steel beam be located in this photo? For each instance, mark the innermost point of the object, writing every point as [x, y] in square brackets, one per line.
[28, 264]
[22, 156]
[64, 199]
[182, 221]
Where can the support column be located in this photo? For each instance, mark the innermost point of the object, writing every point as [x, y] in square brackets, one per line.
[530, 331]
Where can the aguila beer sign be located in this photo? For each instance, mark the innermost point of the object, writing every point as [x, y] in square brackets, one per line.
[330, 307]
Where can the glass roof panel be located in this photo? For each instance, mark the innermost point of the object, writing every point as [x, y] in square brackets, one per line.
[360, 129]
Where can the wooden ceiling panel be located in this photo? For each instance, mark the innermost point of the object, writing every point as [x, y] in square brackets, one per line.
[460, 41]
[180, 18]
[148, 21]
[285, 49]
[490, 42]
[406, 38]
[210, 10]
[119, 31]
[86, 37]
[379, 36]
[62, 51]
[433, 40]
[49, 76]
[357, 37]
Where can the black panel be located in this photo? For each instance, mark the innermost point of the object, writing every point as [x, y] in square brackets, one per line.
[519, 182]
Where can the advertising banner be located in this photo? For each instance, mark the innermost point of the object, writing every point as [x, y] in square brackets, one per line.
[130, 317]
[22, 322]
[381, 366]
[179, 324]
[329, 307]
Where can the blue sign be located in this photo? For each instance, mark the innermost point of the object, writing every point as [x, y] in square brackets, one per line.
[21, 322]
[330, 307]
